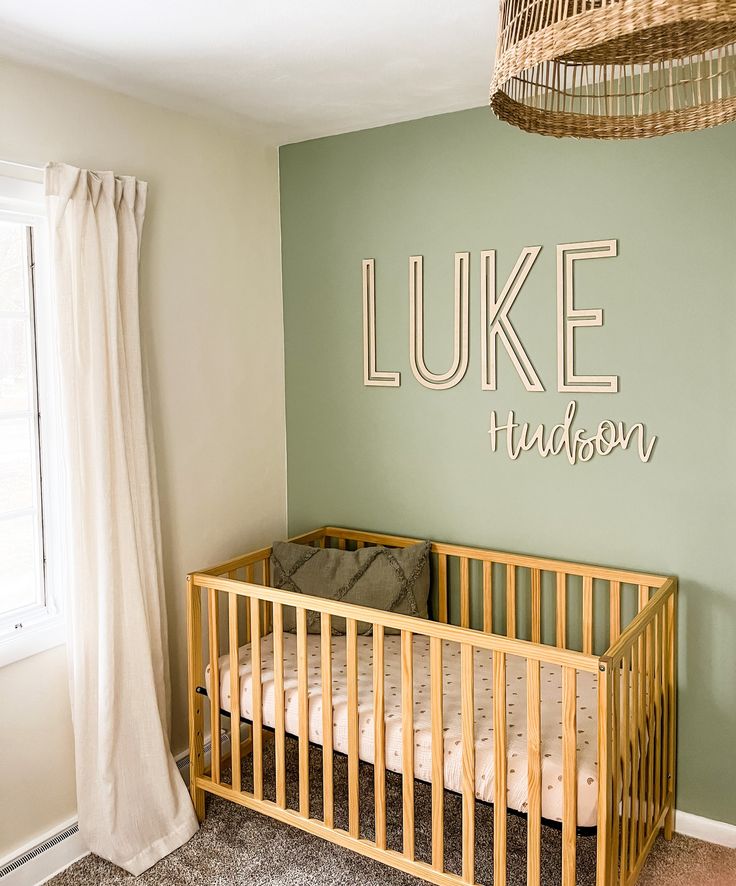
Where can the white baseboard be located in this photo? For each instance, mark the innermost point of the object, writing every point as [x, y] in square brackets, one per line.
[44, 858]
[182, 759]
[720, 832]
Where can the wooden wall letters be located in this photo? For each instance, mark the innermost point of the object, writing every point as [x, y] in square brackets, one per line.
[497, 328]
[495, 321]
[461, 340]
[570, 318]
[371, 375]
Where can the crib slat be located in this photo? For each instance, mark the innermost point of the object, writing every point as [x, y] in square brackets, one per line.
[636, 714]
[625, 740]
[438, 755]
[248, 578]
[534, 770]
[257, 690]
[407, 740]
[499, 763]
[266, 571]
[656, 710]
[379, 737]
[468, 761]
[351, 628]
[569, 774]
[328, 791]
[642, 683]
[235, 752]
[303, 705]
[665, 708]
[643, 597]
[659, 682]
[464, 592]
[651, 716]
[605, 817]
[510, 600]
[536, 606]
[614, 593]
[587, 615]
[213, 612]
[561, 611]
[487, 596]
[442, 587]
[278, 691]
[615, 751]
[248, 575]
[341, 544]
[659, 738]
[635, 762]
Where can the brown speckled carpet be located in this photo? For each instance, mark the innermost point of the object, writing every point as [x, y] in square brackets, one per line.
[236, 846]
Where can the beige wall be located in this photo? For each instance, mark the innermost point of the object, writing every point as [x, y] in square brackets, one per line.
[36, 757]
[212, 330]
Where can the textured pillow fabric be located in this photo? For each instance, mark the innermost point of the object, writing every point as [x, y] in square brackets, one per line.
[392, 579]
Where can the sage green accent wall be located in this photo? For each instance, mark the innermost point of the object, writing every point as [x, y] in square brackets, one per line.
[418, 461]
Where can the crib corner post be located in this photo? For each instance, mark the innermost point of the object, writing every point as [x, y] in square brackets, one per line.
[196, 712]
[671, 689]
[606, 863]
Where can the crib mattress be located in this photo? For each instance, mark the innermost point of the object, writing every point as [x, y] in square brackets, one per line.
[551, 715]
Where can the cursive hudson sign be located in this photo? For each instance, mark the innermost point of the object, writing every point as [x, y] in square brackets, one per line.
[497, 329]
[576, 443]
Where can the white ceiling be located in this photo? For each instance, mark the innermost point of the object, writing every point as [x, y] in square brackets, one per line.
[293, 69]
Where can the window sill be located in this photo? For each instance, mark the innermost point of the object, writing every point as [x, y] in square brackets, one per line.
[43, 633]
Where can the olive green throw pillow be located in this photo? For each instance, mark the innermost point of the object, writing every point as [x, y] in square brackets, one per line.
[392, 579]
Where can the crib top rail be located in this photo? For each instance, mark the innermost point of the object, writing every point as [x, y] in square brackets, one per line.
[639, 624]
[410, 623]
[583, 570]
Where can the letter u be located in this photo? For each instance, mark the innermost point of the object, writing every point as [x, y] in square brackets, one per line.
[461, 337]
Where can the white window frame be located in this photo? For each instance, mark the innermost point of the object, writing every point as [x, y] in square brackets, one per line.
[39, 626]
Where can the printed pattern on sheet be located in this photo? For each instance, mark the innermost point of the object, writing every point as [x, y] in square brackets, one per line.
[551, 715]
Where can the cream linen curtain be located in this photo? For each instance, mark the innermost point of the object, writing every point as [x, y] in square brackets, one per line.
[133, 805]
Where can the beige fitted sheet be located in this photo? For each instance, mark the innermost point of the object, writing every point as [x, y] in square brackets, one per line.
[551, 715]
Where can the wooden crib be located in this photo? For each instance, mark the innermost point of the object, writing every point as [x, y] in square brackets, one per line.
[615, 624]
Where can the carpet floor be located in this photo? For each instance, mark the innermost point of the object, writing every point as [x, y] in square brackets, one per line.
[237, 846]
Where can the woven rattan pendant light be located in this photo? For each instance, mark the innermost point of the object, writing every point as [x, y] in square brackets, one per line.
[615, 68]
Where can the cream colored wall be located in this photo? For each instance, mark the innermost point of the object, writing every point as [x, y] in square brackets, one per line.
[36, 757]
[212, 330]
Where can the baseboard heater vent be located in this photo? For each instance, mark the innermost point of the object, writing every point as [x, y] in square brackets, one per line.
[18, 862]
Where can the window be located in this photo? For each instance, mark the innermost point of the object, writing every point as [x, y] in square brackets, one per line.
[30, 618]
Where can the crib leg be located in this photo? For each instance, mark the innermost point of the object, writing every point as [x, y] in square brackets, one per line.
[669, 823]
[198, 801]
[196, 713]
[671, 641]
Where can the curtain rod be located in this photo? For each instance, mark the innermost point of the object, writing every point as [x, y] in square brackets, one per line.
[21, 165]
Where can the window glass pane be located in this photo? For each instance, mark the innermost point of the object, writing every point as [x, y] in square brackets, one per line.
[21, 544]
[19, 563]
[13, 273]
[15, 356]
[16, 465]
